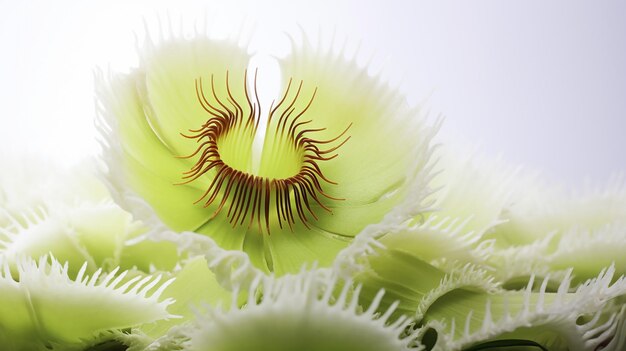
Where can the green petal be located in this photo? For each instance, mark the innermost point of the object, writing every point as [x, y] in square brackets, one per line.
[41, 233]
[171, 70]
[439, 241]
[388, 145]
[415, 264]
[558, 321]
[101, 229]
[82, 232]
[403, 277]
[144, 114]
[33, 183]
[574, 249]
[579, 250]
[147, 255]
[138, 161]
[52, 307]
[290, 250]
[233, 269]
[514, 265]
[15, 320]
[195, 284]
[413, 283]
[472, 189]
[296, 312]
[542, 210]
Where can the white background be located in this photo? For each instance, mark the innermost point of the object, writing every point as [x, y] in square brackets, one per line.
[541, 82]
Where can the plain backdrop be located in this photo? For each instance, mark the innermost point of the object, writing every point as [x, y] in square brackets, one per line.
[542, 83]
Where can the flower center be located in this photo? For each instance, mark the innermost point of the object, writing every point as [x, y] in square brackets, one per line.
[286, 184]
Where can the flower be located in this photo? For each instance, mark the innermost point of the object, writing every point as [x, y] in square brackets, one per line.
[339, 150]
[337, 171]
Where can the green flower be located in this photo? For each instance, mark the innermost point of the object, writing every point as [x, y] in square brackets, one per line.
[289, 184]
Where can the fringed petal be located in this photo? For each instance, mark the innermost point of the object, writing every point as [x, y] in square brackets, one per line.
[53, 307]
[299, 312]
[560, 320]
